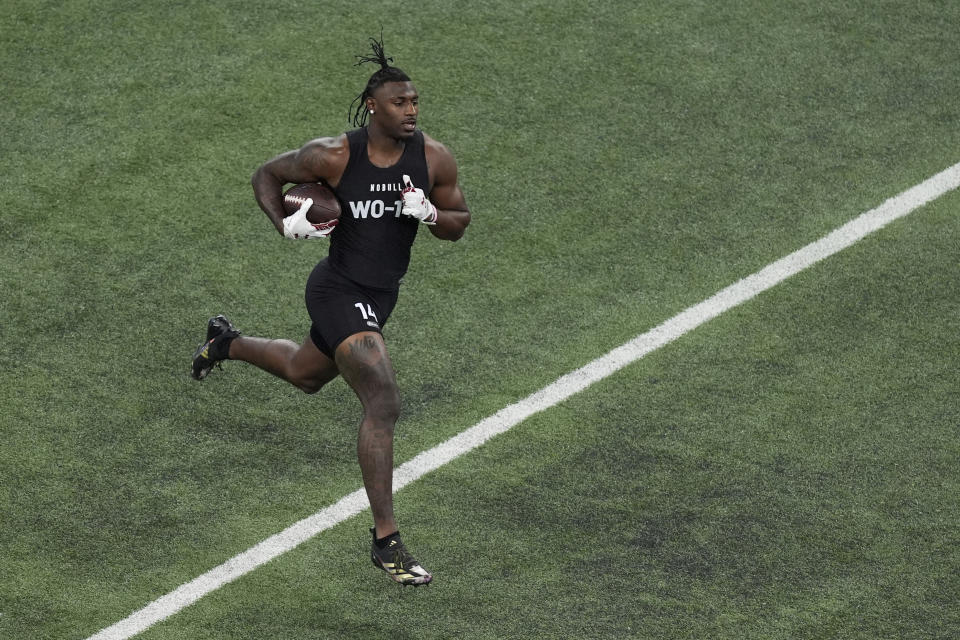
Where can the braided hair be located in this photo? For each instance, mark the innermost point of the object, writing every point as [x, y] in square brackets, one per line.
[358, 114]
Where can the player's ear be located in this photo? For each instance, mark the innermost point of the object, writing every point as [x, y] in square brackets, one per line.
[371, 105]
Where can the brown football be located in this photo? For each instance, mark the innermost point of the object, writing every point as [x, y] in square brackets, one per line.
[325, 207]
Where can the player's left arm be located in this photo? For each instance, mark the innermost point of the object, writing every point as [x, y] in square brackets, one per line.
[453, 215]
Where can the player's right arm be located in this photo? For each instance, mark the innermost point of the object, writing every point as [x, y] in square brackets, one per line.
[320, 159]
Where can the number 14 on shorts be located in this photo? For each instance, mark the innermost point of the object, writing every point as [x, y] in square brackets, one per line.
[368, 315]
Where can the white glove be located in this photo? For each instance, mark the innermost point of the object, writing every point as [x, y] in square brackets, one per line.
[296, 225]
[416, 204]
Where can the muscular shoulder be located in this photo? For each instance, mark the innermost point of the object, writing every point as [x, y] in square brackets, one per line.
[436, 149]
[326, 156]
[332, 144]
[440, 161]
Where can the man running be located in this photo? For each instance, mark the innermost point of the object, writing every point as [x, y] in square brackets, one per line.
[390, 178]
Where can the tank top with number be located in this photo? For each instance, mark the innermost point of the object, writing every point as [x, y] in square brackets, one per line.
[371, 242]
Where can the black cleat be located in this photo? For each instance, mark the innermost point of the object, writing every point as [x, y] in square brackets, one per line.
[397, 562]
[219, 334]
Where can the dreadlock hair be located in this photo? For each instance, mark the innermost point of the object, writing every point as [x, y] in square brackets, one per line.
[358, 114]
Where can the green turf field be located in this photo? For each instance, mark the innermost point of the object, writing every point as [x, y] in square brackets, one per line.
[789, 470]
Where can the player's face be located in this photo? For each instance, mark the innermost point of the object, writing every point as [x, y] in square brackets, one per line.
[396, 106]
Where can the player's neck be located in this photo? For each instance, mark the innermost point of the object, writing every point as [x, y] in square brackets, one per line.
[378, 138]
[382, 149]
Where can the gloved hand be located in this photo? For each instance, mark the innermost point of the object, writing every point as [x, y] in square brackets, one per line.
[296, 226]
[416, 204]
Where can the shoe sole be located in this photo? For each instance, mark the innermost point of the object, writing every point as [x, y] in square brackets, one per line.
[213, 331]
[199, 373]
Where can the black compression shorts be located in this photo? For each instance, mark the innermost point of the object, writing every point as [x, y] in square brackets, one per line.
[339, 307]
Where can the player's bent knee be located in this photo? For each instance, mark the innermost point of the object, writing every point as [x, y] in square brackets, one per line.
[309, 387]
[307, 384]
[309, 370]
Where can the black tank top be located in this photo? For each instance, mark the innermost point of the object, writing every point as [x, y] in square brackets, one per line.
[371, 243]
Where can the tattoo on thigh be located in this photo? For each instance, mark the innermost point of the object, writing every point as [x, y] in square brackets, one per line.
[365, 362]
[361, 348]
[367, 369]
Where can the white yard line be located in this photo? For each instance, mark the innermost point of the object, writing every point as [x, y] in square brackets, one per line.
[556, 392]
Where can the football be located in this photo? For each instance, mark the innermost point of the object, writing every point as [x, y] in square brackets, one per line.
[326, 207]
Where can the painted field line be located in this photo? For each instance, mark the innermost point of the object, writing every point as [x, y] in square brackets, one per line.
[549, 396]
